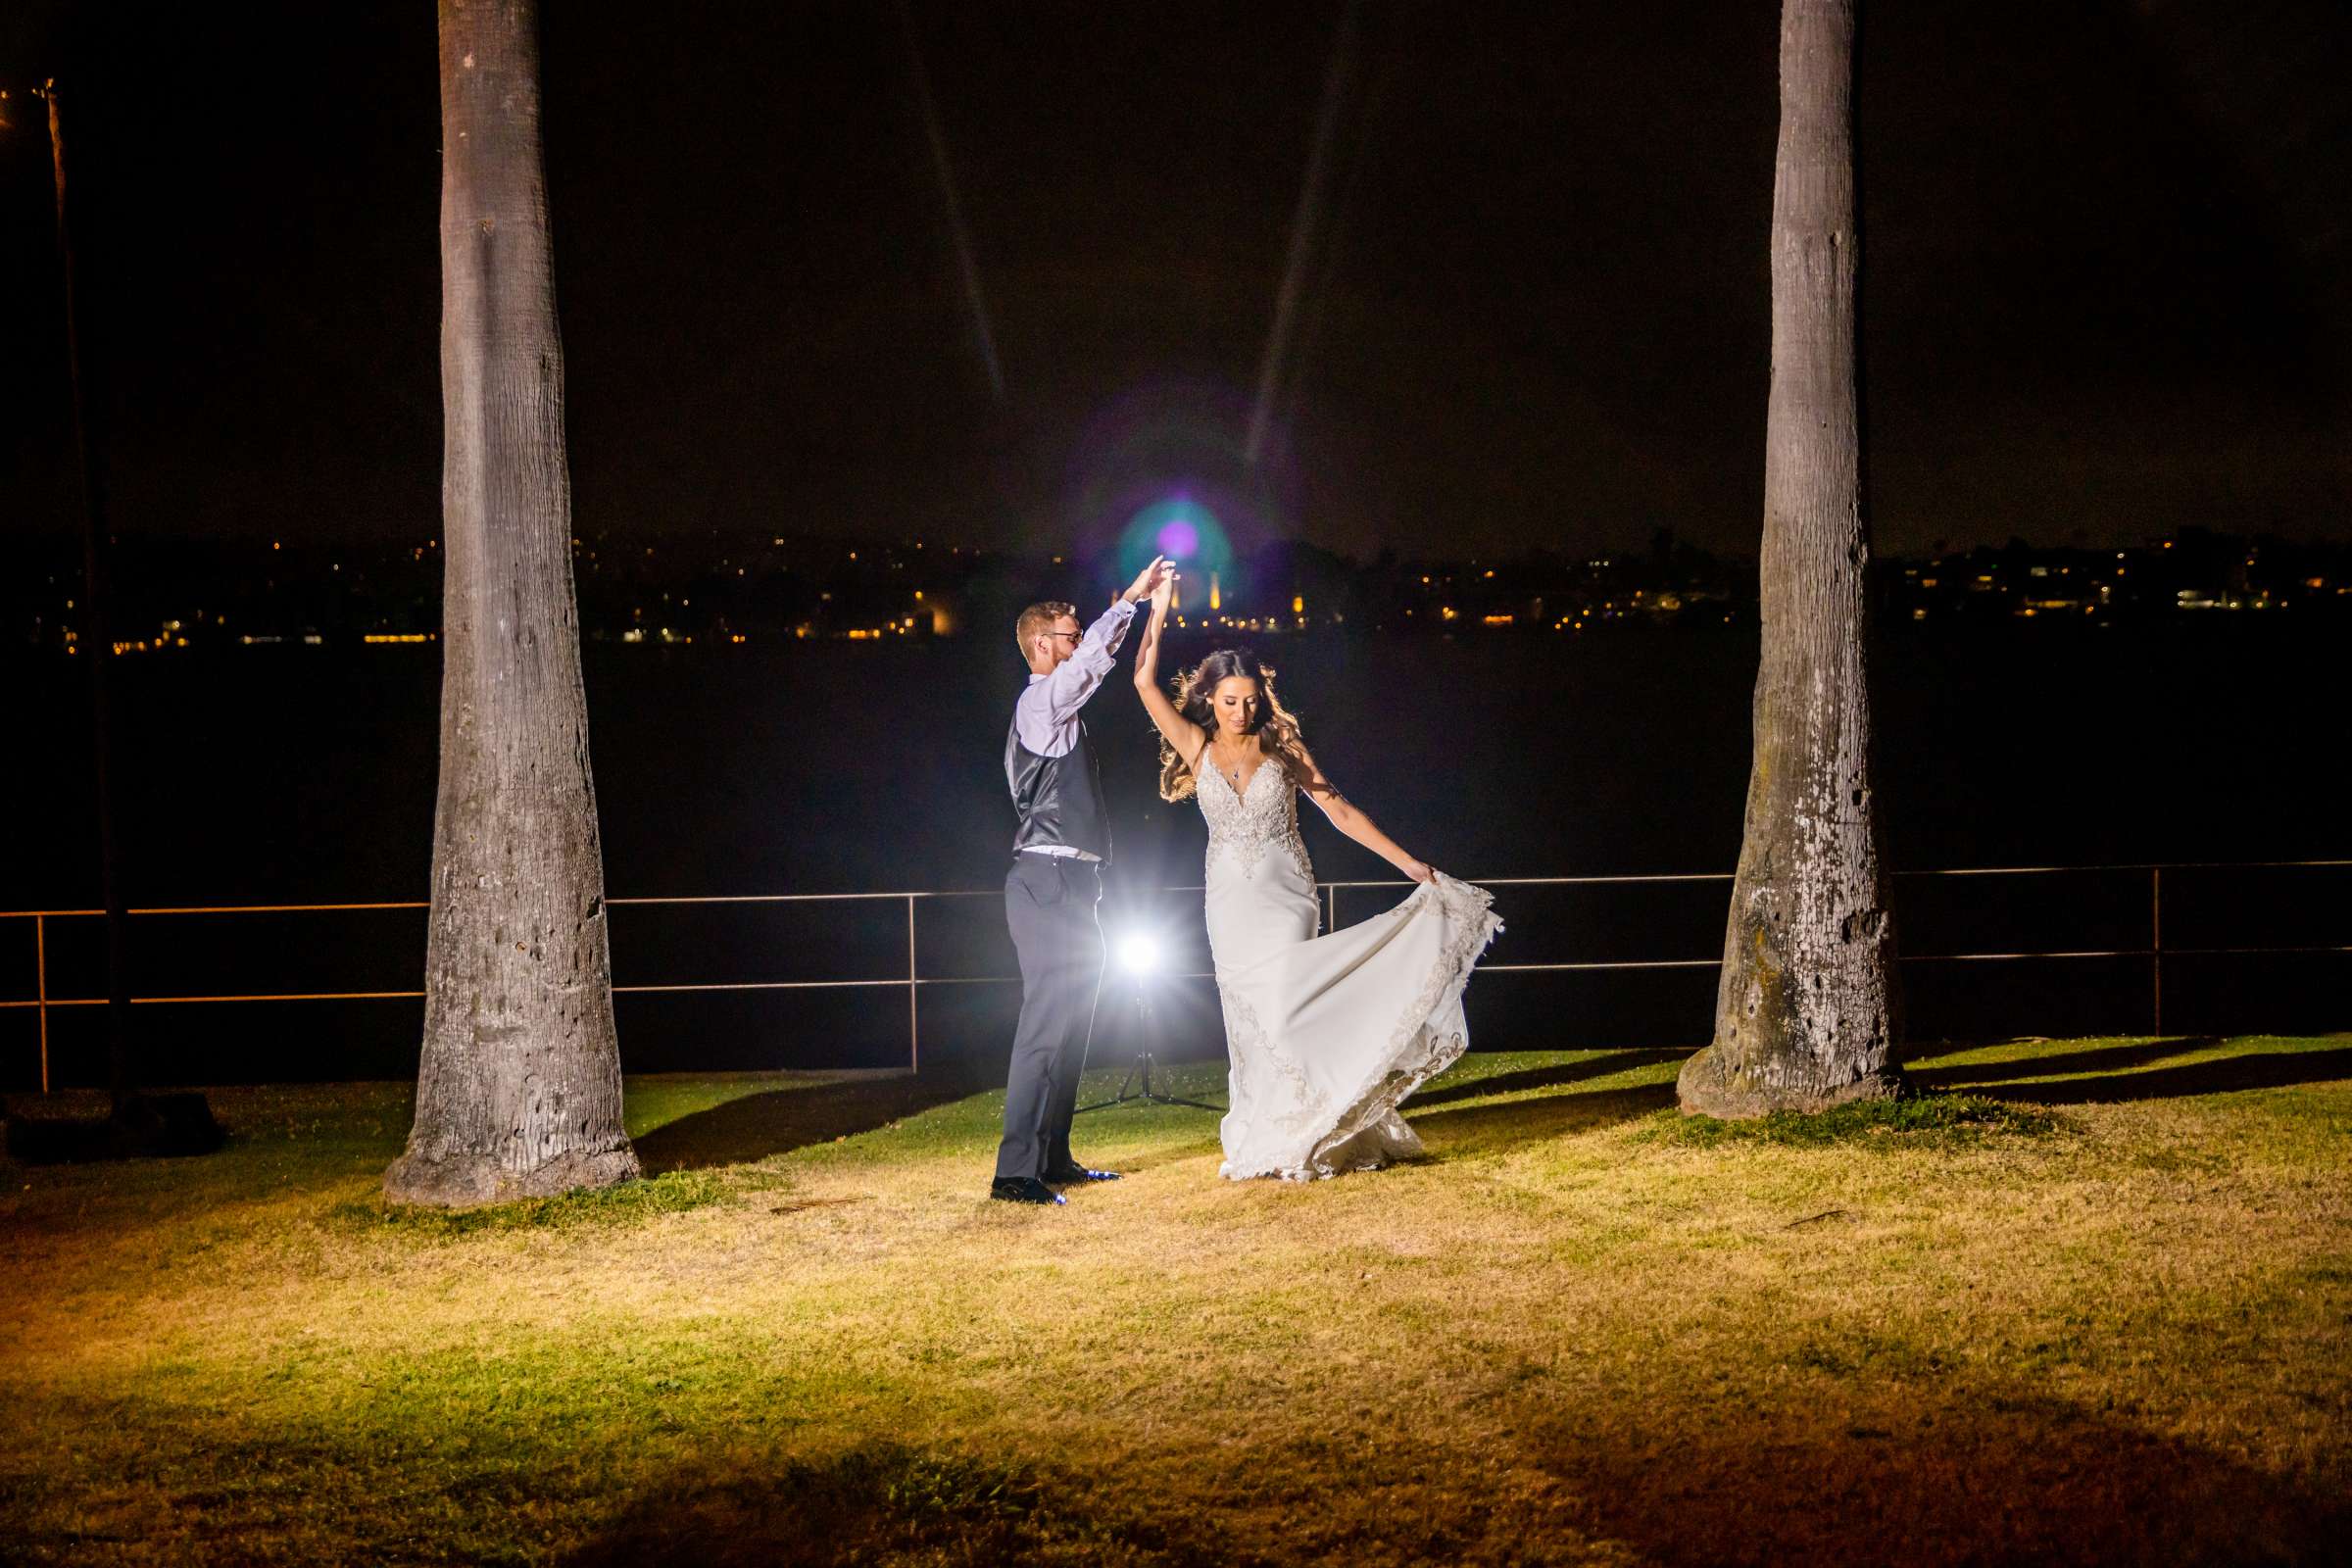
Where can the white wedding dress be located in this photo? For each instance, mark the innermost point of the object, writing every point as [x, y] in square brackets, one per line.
[1325, 1034]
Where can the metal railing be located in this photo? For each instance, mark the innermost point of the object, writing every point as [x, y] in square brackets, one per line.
[914, 980]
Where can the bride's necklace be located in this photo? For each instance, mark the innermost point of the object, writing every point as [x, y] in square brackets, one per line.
[1232, 771]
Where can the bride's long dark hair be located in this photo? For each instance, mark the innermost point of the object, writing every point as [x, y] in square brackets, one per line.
[1275, 726]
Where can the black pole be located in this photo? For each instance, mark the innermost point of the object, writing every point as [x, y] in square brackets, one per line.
[97, 641]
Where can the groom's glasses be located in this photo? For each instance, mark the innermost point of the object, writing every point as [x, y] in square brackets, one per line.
[1071, 635]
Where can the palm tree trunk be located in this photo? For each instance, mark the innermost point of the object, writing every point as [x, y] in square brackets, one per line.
[519, 1091]
[1805, 1013]
[97, 641]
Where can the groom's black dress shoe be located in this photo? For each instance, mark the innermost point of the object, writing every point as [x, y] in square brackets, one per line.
[1023, 1189]
[1066, 1175]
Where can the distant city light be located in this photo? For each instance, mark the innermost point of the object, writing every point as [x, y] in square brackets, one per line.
[2024, 583]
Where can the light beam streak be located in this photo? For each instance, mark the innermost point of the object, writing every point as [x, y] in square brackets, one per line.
[965, 265]
[1302, 224]
[1371, 93]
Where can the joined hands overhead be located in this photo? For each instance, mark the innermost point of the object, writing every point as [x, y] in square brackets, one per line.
[1147, 582]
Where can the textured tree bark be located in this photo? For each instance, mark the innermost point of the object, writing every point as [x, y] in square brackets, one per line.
[1806, 1011]
[518, 1090]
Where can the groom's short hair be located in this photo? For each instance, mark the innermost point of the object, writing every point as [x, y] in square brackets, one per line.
[1039, 617]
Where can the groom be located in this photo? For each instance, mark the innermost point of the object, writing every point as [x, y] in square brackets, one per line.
[1060, 849]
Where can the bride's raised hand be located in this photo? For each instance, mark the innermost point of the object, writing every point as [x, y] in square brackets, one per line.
[1147, 581]
[1163, 592]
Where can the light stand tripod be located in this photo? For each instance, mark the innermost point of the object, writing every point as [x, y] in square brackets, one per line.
[1140, 1067]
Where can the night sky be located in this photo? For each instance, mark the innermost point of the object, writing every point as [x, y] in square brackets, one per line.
[2108, 268]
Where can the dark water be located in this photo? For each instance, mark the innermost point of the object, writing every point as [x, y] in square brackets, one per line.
[306, 775]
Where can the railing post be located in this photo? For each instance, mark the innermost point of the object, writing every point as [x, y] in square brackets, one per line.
[41, 981]
[2156, 943]
[913, 983]
[1330, 907]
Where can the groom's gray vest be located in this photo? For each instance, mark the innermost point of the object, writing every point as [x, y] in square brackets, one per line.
[1059, 799]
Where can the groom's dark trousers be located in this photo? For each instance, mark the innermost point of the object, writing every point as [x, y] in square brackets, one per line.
[1049, 904]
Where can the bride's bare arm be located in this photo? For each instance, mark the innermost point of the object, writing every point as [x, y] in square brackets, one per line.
[1355, 823]
[1178, 730]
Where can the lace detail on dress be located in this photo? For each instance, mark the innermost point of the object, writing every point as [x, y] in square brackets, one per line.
[1368, 1133]
[1250, 823]
[1472, 923]
[1242, 1025]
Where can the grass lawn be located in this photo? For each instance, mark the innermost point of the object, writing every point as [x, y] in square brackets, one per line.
[2114, 1327]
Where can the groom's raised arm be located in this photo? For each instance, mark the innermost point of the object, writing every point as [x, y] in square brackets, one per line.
[1077, 678]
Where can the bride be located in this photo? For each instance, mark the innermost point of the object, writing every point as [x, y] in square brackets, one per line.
[1325, 1034]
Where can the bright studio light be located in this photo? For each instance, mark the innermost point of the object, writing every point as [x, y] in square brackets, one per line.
[1138, 954]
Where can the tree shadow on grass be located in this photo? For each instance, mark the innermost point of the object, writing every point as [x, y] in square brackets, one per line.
[756, 1126]
[1934, 1480]
[1550, 1115]
[2062, 1064]
[1919, 1475]
[884, 1503]
[2252, 1069]
[1532, 1120]
[1567, 1072]
[163, 1126]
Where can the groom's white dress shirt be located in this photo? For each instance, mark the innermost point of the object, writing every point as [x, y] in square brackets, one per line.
[1046, 718]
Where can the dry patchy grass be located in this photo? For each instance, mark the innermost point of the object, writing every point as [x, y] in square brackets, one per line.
[2109, 1325]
